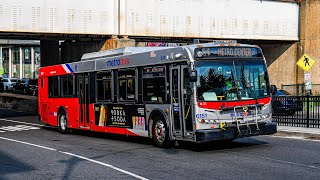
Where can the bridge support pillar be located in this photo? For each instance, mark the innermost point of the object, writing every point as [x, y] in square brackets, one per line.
[73, 50]
[70, 51]
[49, 52]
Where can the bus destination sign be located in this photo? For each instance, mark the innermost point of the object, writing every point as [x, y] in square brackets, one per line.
[214, 52]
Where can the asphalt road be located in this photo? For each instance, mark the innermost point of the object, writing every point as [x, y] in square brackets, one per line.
[29, 150]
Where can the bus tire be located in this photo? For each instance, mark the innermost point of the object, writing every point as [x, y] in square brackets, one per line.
[160, 133]
[63, 123]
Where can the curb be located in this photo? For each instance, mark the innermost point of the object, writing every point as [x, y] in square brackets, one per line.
[292, 133]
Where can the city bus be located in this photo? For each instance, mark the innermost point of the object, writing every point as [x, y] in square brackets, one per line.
[197, 93]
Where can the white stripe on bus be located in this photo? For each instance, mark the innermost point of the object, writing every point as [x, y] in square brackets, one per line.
[65, 68]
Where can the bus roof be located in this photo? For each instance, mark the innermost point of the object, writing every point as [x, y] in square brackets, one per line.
[119, 52]
[128, 57]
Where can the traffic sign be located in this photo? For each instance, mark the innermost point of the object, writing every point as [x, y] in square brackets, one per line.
[305, 62]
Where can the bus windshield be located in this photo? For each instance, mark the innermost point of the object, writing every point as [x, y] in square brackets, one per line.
[230, 80]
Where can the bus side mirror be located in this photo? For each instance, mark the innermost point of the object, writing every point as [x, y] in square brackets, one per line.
[273, 89]
[193, 76]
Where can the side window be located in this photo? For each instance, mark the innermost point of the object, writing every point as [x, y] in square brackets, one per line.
[67, 86]
[104, 87]
[41, 84]
[5, 80]
[127, 85]
[53, 86]
[154, 84]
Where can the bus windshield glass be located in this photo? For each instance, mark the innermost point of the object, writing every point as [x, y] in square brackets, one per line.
[231, 80]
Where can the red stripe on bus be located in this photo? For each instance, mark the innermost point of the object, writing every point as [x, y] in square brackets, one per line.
[114, 130]
[218, 105]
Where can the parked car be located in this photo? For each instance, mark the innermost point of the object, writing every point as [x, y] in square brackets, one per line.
[284, 103]
[8, 83]
[1, 85]
[26, 86]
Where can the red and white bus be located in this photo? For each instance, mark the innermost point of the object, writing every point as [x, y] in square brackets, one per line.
[198, 93]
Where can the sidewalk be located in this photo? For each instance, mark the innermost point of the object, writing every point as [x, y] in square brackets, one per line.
[298, 132]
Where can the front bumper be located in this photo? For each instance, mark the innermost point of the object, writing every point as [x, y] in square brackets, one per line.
[232, 133]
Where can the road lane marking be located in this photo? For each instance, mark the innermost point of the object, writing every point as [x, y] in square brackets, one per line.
[104, 164]
[78, 156]
[8, 120]
[30, 144]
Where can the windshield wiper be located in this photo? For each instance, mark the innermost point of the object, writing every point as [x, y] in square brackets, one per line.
[235, 87]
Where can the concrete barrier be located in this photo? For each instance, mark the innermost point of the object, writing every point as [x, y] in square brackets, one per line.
[19, 102]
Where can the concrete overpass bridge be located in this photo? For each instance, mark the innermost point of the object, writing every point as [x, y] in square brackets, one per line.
[231, 19]
[76, 27]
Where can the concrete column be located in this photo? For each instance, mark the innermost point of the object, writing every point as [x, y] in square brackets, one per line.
[310, 40]
[1, 60]
[32, 62]
[72, 51]
[21, 62]
[49, 52]
[10, 62]
[281, 60]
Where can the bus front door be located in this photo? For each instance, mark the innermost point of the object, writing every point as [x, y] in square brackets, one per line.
[83, 87]
[180, 100]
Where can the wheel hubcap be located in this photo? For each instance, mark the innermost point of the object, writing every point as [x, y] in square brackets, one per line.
[63, 122]
[160, 131]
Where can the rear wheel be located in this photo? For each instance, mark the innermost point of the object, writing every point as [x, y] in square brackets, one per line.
[63, 123]
[160, 133]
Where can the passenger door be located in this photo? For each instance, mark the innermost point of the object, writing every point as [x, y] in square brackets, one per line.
[83, 94]
[180, 100]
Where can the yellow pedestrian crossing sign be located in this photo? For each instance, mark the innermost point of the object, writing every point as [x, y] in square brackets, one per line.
[305, 62]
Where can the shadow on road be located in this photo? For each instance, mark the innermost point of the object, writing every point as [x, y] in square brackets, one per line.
[11, 166]
[221, 145]
[6, 113]
[212, 146]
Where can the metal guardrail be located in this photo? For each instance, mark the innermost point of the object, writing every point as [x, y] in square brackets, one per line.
[297, 111]
[300, 89]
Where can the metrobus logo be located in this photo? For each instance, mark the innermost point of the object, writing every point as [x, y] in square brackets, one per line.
[117, 62]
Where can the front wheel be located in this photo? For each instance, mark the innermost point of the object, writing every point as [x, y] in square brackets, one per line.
[160, 133]
[63, 123]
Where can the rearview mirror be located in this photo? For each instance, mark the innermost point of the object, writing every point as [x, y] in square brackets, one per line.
[273, 89]
[193, 76]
